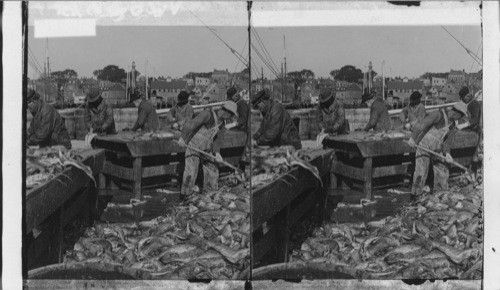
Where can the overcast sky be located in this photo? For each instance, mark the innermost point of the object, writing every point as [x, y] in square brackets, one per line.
[174, 51]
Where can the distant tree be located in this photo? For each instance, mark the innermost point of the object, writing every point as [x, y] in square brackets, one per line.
[430, 75]
[193, 75]
[347, 73]
[97, 72]
[298, 78]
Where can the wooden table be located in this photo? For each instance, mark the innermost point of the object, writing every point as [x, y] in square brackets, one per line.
[365, 156]
[286, 200]
[133, 158]
[54, 204]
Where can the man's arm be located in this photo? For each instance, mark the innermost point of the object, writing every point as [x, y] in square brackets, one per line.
[108, 118]
[340, 118]
[141, 117]
[41, 129]
[475, 114]
[272, 129]
[374, 115]
[419, 131]
[88, 118]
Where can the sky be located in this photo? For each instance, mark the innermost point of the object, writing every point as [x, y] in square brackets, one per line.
[320, 36]
[175, 51]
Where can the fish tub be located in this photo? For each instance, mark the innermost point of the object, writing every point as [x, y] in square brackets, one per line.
[86, 271]
[306, 270]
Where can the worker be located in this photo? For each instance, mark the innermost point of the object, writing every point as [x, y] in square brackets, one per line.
[331, 115]
[431, 133]
[182, 112]
[414, 112]
[98, 114]
[243, 109]
[147, 120]
[379, 116]
[241, 123]
[47, 127]
[474, 124]
[202, 133]
[364, 97]
[276, 128]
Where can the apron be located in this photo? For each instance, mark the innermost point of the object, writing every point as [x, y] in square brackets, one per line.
[329, 120]
[433, 140]
[204, 138]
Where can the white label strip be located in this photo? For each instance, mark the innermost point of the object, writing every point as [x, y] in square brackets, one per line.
[65, 28]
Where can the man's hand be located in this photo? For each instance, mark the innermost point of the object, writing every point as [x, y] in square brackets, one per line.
[175, 126]
[411, 142]
[463, 126]
[254, 143]
[230, 125]
[181, 142]
[449, 159]
[218, 157]
[407, 126]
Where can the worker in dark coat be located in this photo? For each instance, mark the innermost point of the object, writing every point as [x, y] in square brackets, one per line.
[331, 114]
[277, 128]
[379, 116]
[98, 114]
[182, 112]
[474, 123]
[414, 112]
[203, 133]
[47, 127]
[147, 120]
[432, 133]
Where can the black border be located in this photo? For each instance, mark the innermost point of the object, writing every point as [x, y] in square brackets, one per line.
[24, 17]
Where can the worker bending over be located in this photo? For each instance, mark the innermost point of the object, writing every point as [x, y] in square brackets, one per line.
[473, 123]
[47, 127]
[98, 114]
[147, 119]
[432, 133]
[202, 133]
[276, 128]
[379, 116]
[242, 122]
[414, 112]
[182, 112]
[331, 116]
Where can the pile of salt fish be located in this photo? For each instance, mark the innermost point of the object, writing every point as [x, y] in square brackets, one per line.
[205, 237]
[42, 164]
[269, 164]
[438, 236]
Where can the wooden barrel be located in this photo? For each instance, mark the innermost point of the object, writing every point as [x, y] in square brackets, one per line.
[86, 271]
[305, 270]
[80, 129]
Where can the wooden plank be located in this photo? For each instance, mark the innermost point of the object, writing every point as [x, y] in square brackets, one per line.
[390, 170]
[137, 177]
[71, 210]
[261, 247]
[368, 169]
[273, 197]
[342, 169]
[168, 169]
[118, 171]
[297, 212]
[42, 201]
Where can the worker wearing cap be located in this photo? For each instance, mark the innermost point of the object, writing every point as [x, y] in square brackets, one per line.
[182, 112]
[202, 133]
[242, 123]
[98, 114]
[474, 123]
[379, 116]
[432, 134]
[414, 112]
[331, 114]
[47, 127]
[277, 128]
[147, 120]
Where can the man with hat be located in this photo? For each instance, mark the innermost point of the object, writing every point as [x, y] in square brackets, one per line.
[98, 114]
[47, 127]
[243, 110]
[331, 116]
[432, 133]
[147, 120]
[182, 112]
[203, 133]
[414, 112]
[277, 128]
[379, 116]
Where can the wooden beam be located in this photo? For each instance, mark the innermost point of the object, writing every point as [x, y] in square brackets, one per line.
[118, 171]
[168, 169]
[390, 170]
[263, 246]
[297, 212]
[338, 167]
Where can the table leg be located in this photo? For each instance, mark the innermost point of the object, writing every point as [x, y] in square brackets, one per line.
[333, 176]
[367, 167]
[137, 177]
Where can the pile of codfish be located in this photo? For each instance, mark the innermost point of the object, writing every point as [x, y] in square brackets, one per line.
[269, 164]
[438, 236]
[42, 164]
[205, 237]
